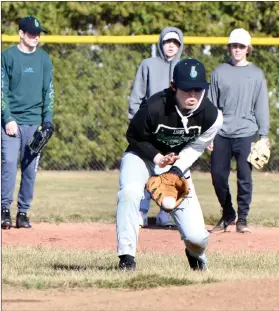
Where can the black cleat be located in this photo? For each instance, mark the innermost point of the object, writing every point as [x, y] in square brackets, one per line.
[241, 226]
[223, 224]
[127, 263]
[22, 221]
[6, 220]
[195, 264]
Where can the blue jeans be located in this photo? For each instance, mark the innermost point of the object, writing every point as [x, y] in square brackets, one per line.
[188, 217]
[10, 147]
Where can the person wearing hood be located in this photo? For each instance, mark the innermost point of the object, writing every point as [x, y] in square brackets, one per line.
[170, 132]
[154, 75]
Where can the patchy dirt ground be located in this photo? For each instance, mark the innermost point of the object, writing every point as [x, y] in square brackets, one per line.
[240, 295]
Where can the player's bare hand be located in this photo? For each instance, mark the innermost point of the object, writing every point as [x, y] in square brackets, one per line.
[267, 141]
[11, 128]
[210, 147]
[168, 159]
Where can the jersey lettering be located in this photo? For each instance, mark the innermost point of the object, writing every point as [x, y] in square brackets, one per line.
[173, 137]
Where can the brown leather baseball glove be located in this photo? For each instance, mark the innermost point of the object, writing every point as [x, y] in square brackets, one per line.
[168, 190]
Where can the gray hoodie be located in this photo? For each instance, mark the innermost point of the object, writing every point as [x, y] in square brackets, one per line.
[154, 73]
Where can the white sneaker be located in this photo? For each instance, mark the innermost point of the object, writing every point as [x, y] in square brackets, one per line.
[143, 223]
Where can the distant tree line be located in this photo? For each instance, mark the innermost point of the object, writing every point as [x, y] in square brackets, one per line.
[92, 83]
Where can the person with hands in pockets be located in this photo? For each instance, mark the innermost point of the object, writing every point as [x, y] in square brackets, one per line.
[27, 103]
[169, 133]
[154, 75]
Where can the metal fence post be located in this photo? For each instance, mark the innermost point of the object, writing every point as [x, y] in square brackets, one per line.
[153, 50]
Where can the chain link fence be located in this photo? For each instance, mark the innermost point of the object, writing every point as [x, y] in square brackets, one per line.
[92, 85]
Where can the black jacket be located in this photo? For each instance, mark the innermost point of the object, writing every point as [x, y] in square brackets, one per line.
[157, 127]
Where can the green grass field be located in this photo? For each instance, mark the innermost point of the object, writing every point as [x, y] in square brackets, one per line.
[91, 196]
[44, 268]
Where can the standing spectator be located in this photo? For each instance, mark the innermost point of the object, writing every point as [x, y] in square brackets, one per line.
[27, 102]
[153, 75]
[239, 89]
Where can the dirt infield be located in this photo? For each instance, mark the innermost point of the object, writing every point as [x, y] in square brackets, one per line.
[103, 236]
[259, 295]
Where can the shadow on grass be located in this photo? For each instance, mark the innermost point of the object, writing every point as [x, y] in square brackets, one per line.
[83, 268]
[145, 281]
[107, 268]
[69, 267]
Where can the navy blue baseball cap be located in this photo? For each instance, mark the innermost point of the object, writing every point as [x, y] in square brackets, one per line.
[31, 25]
[190, 74]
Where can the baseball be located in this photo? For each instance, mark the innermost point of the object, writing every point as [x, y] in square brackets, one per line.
[168, 203]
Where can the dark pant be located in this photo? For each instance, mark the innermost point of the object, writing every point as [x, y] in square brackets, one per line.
[10, 146]
[224, 150]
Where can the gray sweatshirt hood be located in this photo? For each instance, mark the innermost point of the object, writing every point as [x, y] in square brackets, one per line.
[154, 73]
[160, 51]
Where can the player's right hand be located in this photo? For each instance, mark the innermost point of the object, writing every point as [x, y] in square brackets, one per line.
[168, 159]
[210, 147]
[11, 128]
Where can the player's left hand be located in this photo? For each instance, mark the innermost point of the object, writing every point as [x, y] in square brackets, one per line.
[47, 126]
[168, 190]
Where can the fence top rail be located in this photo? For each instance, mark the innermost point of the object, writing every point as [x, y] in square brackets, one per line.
[142, 39]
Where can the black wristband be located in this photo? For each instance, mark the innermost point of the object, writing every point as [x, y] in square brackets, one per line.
[176, 170]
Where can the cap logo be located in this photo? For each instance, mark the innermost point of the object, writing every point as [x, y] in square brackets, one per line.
[193, 72]
[37, 23]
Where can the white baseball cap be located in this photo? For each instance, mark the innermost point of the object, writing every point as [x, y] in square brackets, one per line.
[240, 36]
[172, 35]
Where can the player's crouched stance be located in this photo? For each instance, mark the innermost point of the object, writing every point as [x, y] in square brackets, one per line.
[169, 133]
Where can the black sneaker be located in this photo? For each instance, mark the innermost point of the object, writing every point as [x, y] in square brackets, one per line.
[6, 220]
[223, 224]
[22, 221]
[241, 226]
[195, 263]
[127, 263]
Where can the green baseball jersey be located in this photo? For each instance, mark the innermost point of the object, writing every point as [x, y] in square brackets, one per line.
[27, 87]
